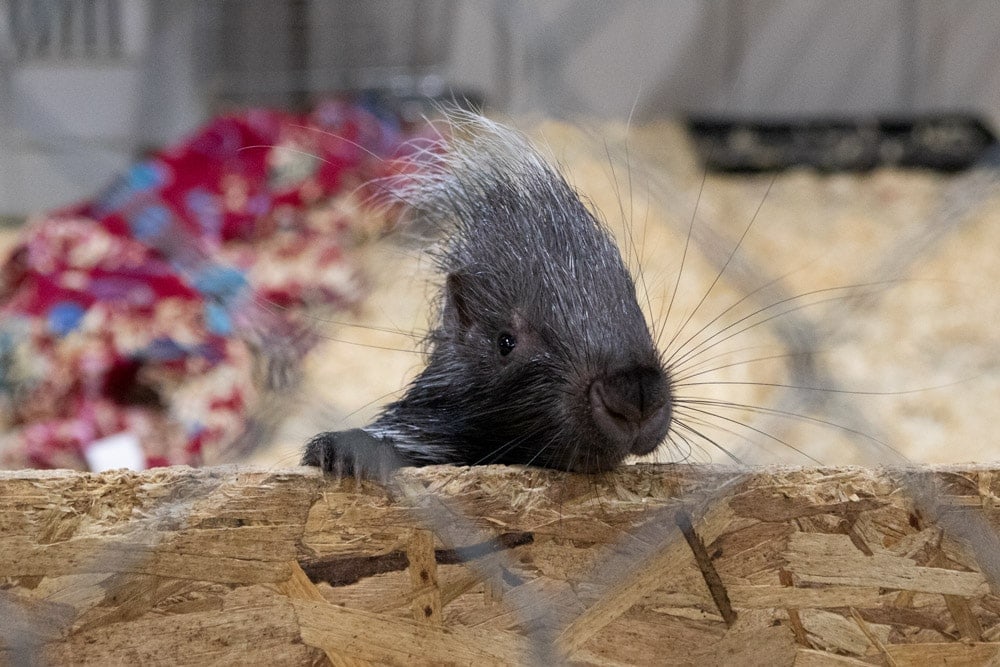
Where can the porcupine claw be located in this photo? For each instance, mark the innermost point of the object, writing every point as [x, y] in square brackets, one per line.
[354, 452]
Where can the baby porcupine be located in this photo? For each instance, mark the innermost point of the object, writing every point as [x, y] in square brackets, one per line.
[540, 354]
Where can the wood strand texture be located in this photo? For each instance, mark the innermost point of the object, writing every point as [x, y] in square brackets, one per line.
[651, 564]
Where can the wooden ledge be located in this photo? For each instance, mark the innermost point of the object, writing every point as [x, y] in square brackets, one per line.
[649, 564]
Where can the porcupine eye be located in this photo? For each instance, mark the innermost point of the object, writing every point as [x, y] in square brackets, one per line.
[506, 343]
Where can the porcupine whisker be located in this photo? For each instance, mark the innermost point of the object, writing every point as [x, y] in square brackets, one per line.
[731, 307]
[306, 153]
[417, 149]
[412, 335]
[688, 404]
[689, 359]
[369, 346]
[722, 270]
[681, 447]
[687, 426]
[375, 401]
[688, 410]
[683, 358]
[685, 403]
[632, 249]
[515, 442]
[693, 370]
[550, 444]
[829, 390]
[688, 421]
[699, 443]
[511, 444]
[417, 145]
[317, 130]
[628, 221]
[684, 253]
[306, 329]
[282, 309]
[852, 291]
[680, 356]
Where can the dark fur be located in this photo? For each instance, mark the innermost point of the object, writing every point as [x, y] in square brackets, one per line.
[525, 262]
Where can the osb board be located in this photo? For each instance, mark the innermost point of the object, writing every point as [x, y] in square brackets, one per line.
[255, 566]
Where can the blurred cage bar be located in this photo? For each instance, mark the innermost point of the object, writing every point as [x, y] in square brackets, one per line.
[70, 74]
[288, 53]
[87, 86]
[261, 51]
[65, 29]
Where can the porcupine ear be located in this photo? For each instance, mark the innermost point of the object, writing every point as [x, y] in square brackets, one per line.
[457, 309]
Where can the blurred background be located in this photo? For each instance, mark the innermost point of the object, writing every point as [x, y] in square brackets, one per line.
[87, 85]
[90, 87]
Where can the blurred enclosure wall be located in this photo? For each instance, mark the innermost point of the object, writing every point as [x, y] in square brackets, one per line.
[87, 85]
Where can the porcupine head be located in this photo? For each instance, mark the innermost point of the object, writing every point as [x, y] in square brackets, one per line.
[540, 353]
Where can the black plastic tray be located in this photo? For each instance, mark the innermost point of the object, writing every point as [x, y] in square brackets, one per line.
[945, 142]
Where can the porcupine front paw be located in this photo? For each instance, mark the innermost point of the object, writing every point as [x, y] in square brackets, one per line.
[354, 452]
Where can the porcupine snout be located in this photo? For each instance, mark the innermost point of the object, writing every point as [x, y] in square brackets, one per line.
[632, 408]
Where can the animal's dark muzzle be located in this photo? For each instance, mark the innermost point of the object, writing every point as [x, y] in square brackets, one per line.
[632, 408]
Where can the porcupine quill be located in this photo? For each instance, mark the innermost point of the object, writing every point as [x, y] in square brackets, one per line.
[540, 354]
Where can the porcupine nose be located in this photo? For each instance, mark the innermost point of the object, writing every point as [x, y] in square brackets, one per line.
[632, 408]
